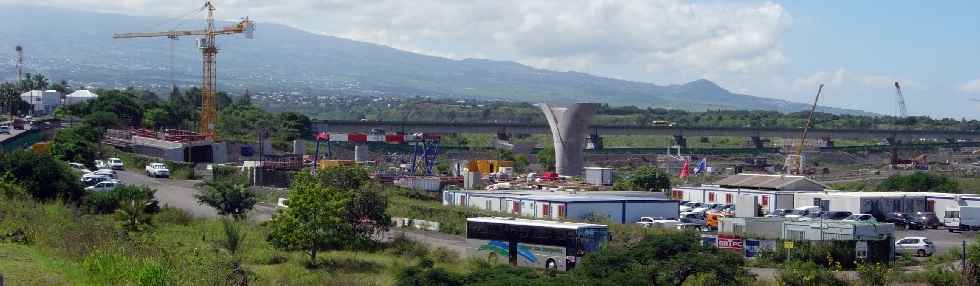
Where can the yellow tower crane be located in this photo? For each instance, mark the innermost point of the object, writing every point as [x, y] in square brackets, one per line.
[209, 110]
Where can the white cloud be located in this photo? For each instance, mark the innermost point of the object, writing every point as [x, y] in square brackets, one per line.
[670, 40]
[971, 87]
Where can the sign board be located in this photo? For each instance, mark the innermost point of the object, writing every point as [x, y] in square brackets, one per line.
[861, 250]
[788, 244]
[732, 243]
[709, 240]
[752, 247]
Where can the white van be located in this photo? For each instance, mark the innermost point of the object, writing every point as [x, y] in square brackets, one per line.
[962, 218]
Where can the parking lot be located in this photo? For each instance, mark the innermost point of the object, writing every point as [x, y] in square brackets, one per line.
[943, 239]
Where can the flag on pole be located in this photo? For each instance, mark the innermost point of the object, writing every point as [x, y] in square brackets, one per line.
[701, 167]
[684, 170]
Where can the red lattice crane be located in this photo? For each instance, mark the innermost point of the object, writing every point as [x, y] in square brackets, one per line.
[209, 108]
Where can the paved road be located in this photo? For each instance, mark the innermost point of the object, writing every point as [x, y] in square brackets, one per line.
[943, 239]
[180, 194]
[14, 132]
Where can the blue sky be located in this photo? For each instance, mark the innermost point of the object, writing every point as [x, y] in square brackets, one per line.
[776, 49]
[933, 44]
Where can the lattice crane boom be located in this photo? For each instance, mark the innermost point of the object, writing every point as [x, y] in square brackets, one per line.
[902, 111]
[209, 51]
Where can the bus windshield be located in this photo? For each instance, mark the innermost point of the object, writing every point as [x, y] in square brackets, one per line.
[591, 238]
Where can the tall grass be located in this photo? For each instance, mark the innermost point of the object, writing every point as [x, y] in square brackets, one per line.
[74, 248]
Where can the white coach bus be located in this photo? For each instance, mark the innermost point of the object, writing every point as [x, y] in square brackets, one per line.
[534, 243]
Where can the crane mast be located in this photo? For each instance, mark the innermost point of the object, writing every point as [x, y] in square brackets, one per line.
[795, 161]
[209, 52]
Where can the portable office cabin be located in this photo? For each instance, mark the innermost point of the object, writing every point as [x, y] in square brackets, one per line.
[768, 200]
[598, 176]
[626, 208]
[876, 203]
[940, 202]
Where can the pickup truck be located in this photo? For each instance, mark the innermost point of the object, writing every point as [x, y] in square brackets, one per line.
[157, 170]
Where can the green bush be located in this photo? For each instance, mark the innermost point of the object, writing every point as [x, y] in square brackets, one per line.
[873, 274]
[806, 273]
[943, 275]
[108, 202]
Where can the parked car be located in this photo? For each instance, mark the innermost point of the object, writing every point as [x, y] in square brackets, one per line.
[4, 129]
[157, 170]
[693, 218]
[282, 203]
[79, 167]
[903, 220]
[928, 219]
[103, 186]
[777, 213]
[99, 164]
[92, 179]
[811, 215]
[917, 245]
[861, 218]
[116, 164]
[835, 215]
[801, 211]
[658, 222]
[105, 172]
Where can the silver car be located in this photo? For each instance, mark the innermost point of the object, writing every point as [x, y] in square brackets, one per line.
[917, 245]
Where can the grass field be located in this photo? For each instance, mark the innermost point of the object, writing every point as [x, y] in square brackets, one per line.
[61, 246]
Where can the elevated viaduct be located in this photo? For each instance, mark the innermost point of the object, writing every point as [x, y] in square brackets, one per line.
[679, 133]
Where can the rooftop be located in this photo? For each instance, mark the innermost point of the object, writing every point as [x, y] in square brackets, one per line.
[771, 182]
[560, 196]
[533, 222]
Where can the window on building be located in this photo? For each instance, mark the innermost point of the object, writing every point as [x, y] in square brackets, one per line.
[765, 200]
[517, 208]
[711, 197]
[561, 211]
[547, 210]
[728, 198]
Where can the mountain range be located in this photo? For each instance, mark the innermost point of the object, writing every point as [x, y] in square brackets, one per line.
[77, 46]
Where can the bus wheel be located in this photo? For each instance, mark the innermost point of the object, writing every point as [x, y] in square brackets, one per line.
[551, 265]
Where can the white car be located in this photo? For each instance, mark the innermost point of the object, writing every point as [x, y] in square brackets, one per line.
[99, 164]
[157, 170]
[103, 186]
[917, 245]
[4, 129]
[116, 164]
[658, 222]
[79, 167]
[105, 172]
[282, 203]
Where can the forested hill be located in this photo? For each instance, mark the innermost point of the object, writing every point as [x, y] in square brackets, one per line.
[77, 46]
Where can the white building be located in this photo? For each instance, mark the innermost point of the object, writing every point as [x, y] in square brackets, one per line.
[619, 207]
[770, 192]
[877, 203]
[43, 102]
[80, 96]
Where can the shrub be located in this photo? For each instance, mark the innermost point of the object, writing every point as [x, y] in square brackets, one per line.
[943, 275]
[806, 273]
[425, 273]
[109, 202]
[873, 274]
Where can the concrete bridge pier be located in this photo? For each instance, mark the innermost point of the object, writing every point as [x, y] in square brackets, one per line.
[759, 142]
[569, 127]
[827, 142]
[679, 140]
